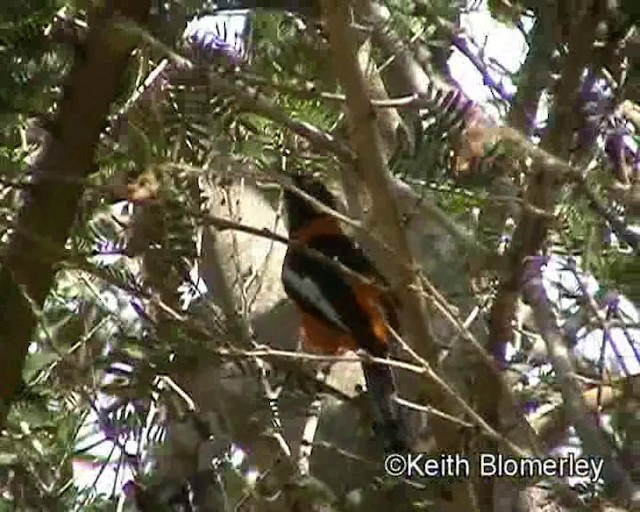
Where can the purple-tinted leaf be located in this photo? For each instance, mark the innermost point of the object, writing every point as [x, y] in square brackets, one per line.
[596, 106]
[535, 265]
[611, 301]
[530, 405]
[532, 281]
[210, 37]
[129, 488]
[621, 150]
[614, 149]
[461, 43]
[110, 430]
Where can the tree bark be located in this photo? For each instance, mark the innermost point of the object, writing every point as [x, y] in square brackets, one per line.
[51, 204]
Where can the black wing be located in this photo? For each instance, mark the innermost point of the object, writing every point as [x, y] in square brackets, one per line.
[304, 285]
[343, 249]
[322, 290]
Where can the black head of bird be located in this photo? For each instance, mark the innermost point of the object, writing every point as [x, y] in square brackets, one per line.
[299, 210]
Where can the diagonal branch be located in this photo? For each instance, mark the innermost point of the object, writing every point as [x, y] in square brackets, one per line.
[593, 438]
[371, 166]
[373, 169]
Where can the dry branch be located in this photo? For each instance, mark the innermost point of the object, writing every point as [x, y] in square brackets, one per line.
[373, 171]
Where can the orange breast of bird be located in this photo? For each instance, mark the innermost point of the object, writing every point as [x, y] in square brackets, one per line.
[320, 336]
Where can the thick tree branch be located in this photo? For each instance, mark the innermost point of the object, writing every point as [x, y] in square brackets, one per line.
[494, 215]
[50, 205]
[373, 170]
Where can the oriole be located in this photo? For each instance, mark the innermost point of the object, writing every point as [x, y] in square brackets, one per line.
[340, 312]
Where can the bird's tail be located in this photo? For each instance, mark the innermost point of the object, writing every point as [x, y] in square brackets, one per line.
[387, 421]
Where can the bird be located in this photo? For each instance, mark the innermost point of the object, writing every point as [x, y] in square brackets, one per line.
[338, 311]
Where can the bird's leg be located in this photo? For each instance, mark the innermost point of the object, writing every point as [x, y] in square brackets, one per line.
[311, 426]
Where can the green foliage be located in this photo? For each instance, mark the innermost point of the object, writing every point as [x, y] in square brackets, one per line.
[29, 65]
[620, 271]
